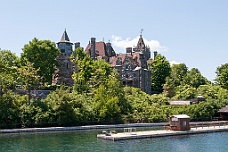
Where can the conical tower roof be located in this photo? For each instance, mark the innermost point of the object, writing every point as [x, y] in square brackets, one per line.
[141, 44]
[64, 38]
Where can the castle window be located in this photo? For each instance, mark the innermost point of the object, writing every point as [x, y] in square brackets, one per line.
[62, 50]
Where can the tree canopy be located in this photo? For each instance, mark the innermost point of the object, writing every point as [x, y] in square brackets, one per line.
[8, 70]
[43, 54]
[222, 75]
[160, 69]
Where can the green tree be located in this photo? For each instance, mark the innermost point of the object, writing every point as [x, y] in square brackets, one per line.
[100, 73]
[178, 73]
[43, 54]
[222, 75]
[184, 92]
[9, 110]
[28, 78]
[194, 78]
[28, 75]
[82, 70]
[160, 69]
[8, 70]
[110, 103]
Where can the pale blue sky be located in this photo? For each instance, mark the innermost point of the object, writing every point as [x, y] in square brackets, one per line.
[194, 32]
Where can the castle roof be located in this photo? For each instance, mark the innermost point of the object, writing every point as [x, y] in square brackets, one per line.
[101, 49]
[133, 58]
[65, 38]
[140, 45]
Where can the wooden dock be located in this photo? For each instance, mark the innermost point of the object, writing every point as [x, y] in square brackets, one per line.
[131, 133]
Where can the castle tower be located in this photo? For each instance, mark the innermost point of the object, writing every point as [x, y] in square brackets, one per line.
[64, 72]
[64, 44]
[141, 47]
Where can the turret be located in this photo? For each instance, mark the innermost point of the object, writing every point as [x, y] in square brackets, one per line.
[64, 44]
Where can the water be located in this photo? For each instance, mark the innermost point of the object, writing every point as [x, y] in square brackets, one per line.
[83, 141]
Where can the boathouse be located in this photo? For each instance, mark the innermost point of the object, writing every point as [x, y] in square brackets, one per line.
[179, 122]
[224, 113]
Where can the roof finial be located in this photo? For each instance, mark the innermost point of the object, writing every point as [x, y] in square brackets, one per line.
[141, 32]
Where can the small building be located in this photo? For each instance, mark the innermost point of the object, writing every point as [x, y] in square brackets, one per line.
[180, 103]
[179, 122]
[223, 112]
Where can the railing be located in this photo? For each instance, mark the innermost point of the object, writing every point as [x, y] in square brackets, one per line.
[199, 125]
[209, 124]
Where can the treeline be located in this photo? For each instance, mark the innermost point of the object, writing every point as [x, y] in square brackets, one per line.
[98, 97]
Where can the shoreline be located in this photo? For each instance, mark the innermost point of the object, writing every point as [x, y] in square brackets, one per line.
[94, 127]
[87, 127]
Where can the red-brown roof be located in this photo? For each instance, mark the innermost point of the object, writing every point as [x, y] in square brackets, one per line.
[134, 58]
[100, 47]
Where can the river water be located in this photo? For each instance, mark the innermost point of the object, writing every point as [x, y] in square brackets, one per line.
[86, 141]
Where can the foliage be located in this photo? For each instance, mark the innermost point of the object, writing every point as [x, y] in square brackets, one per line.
[160, 69]
[82, 70]
[34, 114]
[98, 96]
[194, 78]
[68, 108]
[185, 92]
[9, 110]
[110, 102]
[28, 75]
[222, 75]
[43, 54]
[178, 72]
[8, 73]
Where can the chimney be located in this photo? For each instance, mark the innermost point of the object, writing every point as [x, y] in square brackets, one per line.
[155, 54]
[77, 45]
[93, 48]
[109, 49]
[129, 50]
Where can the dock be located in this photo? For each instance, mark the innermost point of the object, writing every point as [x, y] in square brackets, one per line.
[131, 133]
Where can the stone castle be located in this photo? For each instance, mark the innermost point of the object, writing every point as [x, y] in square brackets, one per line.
[132, 65]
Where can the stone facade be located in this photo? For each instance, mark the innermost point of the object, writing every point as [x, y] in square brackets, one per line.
[132, 66]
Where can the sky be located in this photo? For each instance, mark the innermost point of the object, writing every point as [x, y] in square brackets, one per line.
[193, 32]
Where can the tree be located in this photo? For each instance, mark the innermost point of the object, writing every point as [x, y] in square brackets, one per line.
[8, 73]
[184, 92]
[178, 72]
[160, 69]
[9, 110]
[101, 70]
[222, 75]
[194, 78]
[82, 70]
[110, 103]
[28, 77]
[43, 54]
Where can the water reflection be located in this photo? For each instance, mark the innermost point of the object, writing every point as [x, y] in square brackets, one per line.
[87, 141]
